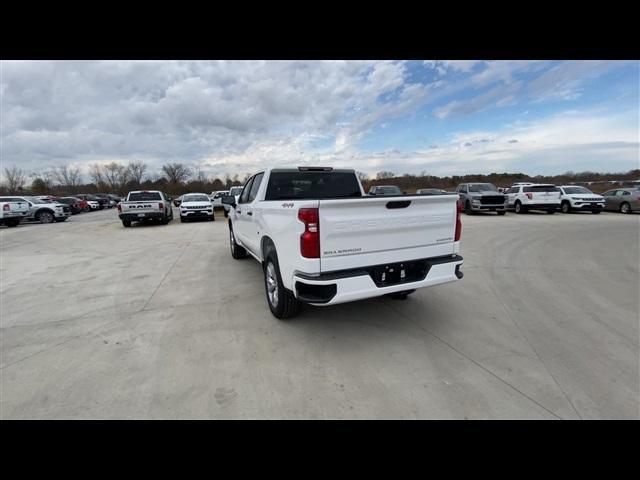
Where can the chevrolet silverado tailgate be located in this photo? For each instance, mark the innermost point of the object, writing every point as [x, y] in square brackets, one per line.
[378, 230]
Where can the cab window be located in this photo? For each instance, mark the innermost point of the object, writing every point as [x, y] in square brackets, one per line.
[255, 186]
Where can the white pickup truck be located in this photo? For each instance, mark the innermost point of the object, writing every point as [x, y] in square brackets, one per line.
[322, 241]
[145, 206]
[13, 210]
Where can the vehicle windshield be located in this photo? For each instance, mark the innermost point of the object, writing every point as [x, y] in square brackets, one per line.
[144, 196]
[576, 190]
[482, 187]
[195, 198]
[392, 190]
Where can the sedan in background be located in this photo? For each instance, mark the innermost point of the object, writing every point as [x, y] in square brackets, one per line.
[623, 200]
[74, 204]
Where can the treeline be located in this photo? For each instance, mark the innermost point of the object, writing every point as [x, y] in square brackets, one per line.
[410, 183]
[175, 179]
[179, 178]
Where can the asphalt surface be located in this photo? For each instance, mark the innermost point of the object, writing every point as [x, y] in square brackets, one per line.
[159, 322]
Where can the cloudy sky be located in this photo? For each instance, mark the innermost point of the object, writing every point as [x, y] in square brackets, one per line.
[408, 117]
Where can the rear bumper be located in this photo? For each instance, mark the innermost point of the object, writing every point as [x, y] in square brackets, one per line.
[350, 285]
[136, 216]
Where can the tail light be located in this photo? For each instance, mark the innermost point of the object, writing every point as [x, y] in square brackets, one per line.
[529, 196]
[459, 209]
[310, 238]
[161, 206]
[119, 208]
[6, 207]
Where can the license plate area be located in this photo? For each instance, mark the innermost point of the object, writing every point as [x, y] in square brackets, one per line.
[141, 215]
[398, 273]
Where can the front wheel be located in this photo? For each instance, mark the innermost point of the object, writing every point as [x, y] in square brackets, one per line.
[467, 208]
[551, 211]
[281, 301]
[126, 222]
[518, 207]
[625, 208]
[565, 207]
[45, 217]
[595, 212]
[501, 212]
[237, 251]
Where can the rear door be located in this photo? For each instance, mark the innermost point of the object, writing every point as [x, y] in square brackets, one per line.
[379, 230]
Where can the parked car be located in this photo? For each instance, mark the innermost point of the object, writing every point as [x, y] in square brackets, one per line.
[144, 206]
[322, 241]
[196, 205]
[105, 200]
[178, 201]
[44, 211]
[99, 203]
[481, 197]
[624, 200]
[74, 204]
[430, 191]
[13, 210]
[235, 192]
[576, 198]
[216, 198]
[533, 196]
[385, 190]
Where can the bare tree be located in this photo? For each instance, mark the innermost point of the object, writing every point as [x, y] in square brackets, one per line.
[176, 172]
[363, 177]
[115, 175]
[68, 177]
[384, 175]
[15, 179]
[136, 170]
[95, 173]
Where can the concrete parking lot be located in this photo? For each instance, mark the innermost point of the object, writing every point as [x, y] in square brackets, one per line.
[159, 322]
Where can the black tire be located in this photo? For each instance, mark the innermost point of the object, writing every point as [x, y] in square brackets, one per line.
[625, 207]
[565, 207]
[282, 302]
[45, 217]
[226, 213]
[213, 217]
[61, 219]
[467, 208]
[237, 251]
[595, 212]
[182, 219]
[501, 212]
[13, 222]
[518, 208]
[126, 222]
[551, 211]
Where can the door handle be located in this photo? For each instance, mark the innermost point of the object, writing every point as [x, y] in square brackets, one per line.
[250, 213]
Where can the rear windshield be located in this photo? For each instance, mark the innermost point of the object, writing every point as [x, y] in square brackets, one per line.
[312, 185]
[540, 188]
[144, 196]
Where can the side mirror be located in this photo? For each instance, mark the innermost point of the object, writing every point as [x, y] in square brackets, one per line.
[229, 200]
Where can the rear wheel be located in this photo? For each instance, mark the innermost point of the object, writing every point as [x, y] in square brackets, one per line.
[565, 207]
[281, 301]
[13, 222]
[226, 213]
[551, 211]
[501, 212]
[625, 208]
[126, 222]
[237, 251]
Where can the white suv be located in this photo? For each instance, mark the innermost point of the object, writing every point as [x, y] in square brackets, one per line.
[533, 196]
[576, 198]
